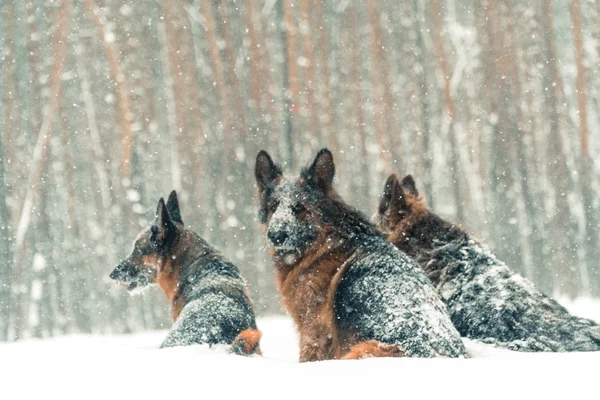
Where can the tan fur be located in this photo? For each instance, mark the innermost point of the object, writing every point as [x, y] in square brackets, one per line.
[373, 348]
[167, 278]
[246, 342]
[304, 289]
[395, 228]
[168, 274]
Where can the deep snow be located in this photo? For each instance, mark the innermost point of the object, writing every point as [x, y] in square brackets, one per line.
[132, 366]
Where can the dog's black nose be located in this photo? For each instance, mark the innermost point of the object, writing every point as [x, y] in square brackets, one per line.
[277, 237]
[114, 273]
[118, 272]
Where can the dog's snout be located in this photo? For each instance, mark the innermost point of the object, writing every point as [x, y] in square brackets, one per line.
[122, 271]
[277, 237]
[117, 272]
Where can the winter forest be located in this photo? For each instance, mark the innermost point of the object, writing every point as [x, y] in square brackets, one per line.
[107, 105]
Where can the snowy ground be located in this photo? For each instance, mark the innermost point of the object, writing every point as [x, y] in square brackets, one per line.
[131, 367]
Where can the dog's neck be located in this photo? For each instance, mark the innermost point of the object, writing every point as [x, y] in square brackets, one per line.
[417, 235]
[188, 248]
[305, 283]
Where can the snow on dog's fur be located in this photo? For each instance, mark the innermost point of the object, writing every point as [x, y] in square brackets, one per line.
[350, 292]
[486, 300]
[210, 303]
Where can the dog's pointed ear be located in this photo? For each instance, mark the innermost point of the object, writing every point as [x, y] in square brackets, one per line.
[164, 229]
[409, 186]
[265, 170]
[393, 196]
[173, 208]
[393, 201]
[320, 174]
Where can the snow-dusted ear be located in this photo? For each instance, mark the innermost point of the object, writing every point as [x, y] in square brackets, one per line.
[409, 186]
[173, 208]
[265, 170]
[164, 230]
[320, 174]
[386, 198]
[393, 201]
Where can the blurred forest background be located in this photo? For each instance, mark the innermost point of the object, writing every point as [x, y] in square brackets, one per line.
[107, 105]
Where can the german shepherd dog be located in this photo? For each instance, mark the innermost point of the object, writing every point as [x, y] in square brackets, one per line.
[350, 292]
[486, 300]
[209, 299]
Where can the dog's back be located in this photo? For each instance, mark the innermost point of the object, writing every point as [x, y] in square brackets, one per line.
[486, 299]
[216, 307]
[385, 296]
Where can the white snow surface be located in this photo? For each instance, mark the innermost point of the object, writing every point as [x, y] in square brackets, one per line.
[132, 367]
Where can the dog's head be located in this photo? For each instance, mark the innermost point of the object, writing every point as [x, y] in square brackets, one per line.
[152, 248]
[294, 211]
[400, 205]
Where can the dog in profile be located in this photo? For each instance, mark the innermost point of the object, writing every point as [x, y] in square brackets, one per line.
[349, 291]
[209, 299]
[486, 300]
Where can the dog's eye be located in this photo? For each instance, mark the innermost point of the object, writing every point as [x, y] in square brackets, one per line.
[298, 209]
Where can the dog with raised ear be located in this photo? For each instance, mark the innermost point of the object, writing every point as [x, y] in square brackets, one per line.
[349, 291]
[209, 299]
[486, 300]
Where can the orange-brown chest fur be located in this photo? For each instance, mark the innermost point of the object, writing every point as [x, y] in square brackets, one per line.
[168, 279]
[308, 291]
[305, 288]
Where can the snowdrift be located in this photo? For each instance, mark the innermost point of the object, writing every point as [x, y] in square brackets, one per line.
[132, 367]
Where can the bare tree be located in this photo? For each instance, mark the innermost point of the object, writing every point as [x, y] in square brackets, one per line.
[5, 242]
[587, 194]
[449, 109]
[63, 20]
[125, 115]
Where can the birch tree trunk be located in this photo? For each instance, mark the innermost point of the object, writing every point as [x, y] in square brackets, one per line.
[63, 21]
[5, 242]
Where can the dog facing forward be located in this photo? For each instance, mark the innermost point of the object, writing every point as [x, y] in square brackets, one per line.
[350, 292]
[486, 300]
[210, 303]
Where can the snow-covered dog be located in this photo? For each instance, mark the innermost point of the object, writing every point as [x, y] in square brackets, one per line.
[351, 293]
[210, 303]
[486, 300]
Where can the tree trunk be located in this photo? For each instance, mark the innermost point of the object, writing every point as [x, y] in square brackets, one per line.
[563, 253]
[239, 118]
[506, 229]
[379, 86]
[308, 52]
[423, 90]
[534, 239]
[358, 100]
[125, 114]
[5, 241]
[326, 104]
[290, 77]
[587, 174]
[5, 157]
[172, 122]
[449, 110]
[63, 21]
